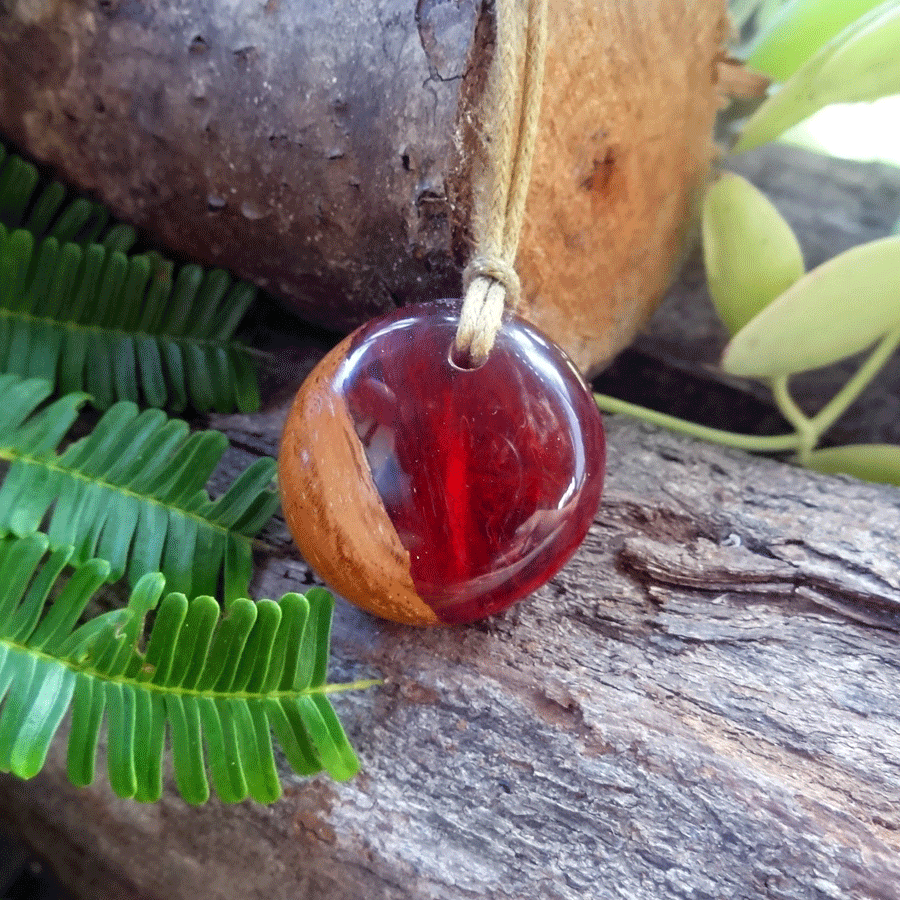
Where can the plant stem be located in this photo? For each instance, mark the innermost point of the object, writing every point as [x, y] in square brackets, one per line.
[806, 430]
[832, 411]
[349, 686]
[756, 443]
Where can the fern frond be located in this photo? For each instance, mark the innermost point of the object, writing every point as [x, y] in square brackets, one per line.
[220, 685]
[121, 328]
[132, 492]
[46, 210]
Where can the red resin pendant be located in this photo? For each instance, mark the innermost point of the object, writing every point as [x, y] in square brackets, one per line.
[425, 492]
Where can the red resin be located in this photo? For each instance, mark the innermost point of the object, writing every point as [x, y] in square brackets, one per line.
[491, 476]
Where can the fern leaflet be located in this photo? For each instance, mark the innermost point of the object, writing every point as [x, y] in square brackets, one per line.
[131, 492]
[46, 210]
[123, 328]
[225, 683]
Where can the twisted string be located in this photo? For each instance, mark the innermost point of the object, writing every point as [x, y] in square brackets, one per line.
[512, 105]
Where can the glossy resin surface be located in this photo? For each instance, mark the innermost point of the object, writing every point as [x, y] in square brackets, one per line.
[489, 477]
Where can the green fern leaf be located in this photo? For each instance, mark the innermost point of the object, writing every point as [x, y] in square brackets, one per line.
[121, 328]
[218, 685]
[131, 492]
[46, 210]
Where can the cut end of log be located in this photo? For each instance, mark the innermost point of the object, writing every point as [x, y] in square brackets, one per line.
[624, 148]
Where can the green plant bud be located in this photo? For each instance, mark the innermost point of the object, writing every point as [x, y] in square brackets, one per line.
[838, 309]
[798, 30]
[861, 63]
[871, 462]
[751, 253]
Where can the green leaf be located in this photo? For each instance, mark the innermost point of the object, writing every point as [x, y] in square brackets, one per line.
[76, 310]
[47, 211]
[861, 63]
[798, 30]
[870, 462]
[751, 254]
[219, 691]
[132, 491]
[836, 310]
[92, 319]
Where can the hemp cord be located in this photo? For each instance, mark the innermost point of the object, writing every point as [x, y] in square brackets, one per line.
[513, 101]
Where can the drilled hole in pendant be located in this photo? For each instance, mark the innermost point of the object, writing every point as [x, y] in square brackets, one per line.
[462, 360]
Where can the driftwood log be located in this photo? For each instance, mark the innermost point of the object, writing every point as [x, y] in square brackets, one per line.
[703, 704]
[312, 146]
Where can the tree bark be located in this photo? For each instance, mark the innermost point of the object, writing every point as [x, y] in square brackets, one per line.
[702, 704]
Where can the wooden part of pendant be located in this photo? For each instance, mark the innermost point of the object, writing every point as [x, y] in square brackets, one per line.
[333, 509]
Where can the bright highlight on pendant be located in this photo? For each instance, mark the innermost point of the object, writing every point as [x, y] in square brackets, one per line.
[425, 492]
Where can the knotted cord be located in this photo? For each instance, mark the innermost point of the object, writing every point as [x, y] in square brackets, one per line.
[510, 110]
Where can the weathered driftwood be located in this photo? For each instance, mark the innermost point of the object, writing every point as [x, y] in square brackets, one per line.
[311, 146]
[703, 704]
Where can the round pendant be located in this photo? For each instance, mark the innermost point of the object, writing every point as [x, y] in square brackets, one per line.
[427, 492]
